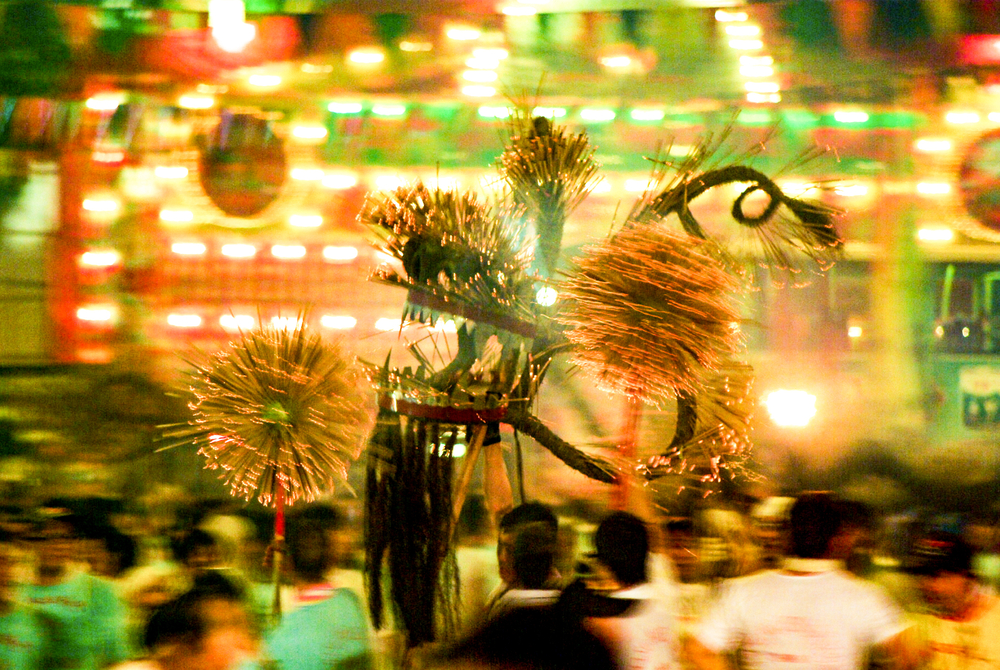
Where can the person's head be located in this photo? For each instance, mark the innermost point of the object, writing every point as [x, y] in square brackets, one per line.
[814, 520]
[206, 628]
[311, 548]
[530, 514]
[853, 542]
[621, 544]
[942, 563]
[198, 550]
[682, 545]
[56, 542]
[474, 520]
[533, 556]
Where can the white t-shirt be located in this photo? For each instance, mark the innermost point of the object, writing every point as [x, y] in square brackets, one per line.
[645, 638]
[825, 620]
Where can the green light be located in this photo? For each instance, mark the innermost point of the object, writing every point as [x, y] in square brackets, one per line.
[799, 119]
[754, 117]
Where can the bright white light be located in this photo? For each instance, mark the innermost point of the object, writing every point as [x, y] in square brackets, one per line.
[286, 322]
[264, 80]
[546, 296]
[225, 12]
[476, 91]
[100, 259]
[756, 60]
[935, 234]
[762, 86]
[386, 324]
[345, 107]
[647, 114]
[236, 321]
[443, 326]
[239, 250]
[724, 16]
[602, 186]
[479, 76]
[388, 182]
[196, 102]
[763, 97]
[338, 322]
[340, 254]
[495, 112]
[933, 145]
[445, 183]
[549, 112]
[309, 132]
[746, 30]
[176, 215]
[757, 71]
[95, 313]
[183, 320]
[170, 172]
[791, 408]
[496, 54]
[850, 116]
[234, 38]
[458, 450]
[307, 174]
[962, 117]
[366, 56]
[108, 156]
[388, 110]
[305, 220]
[188, 248]
[288, 251]
[746, 45]
[107, 102]
[463, 34]
[100, 205]
[340, 181]
[854, 332]
[933, 188]
[851, 190]
[616, 61]
[593, 114]
[482, 63]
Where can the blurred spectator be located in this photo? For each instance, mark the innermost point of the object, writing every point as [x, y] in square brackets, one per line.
[525, 515]
[206, 628]
[27, 635]
[621, 605]
[532, 561]
[89, 616]
[809, 614]
[963, 628]
[328, 629]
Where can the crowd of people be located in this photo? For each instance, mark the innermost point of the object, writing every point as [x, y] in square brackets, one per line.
[810, 581]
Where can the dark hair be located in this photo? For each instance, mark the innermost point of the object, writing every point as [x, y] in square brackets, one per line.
[123, 547]
[328, 516]
[813, 522]
[182, 620]
[529, 512]
[308, 547]
[938, 552]
[474, 518]
[192, 540]
[533, 555]
[622, 544]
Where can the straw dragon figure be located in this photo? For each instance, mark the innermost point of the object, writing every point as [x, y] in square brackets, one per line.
[650, 312]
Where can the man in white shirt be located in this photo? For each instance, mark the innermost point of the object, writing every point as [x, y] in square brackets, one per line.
[810, 613]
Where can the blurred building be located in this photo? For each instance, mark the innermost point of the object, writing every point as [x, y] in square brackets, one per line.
[174, 171]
